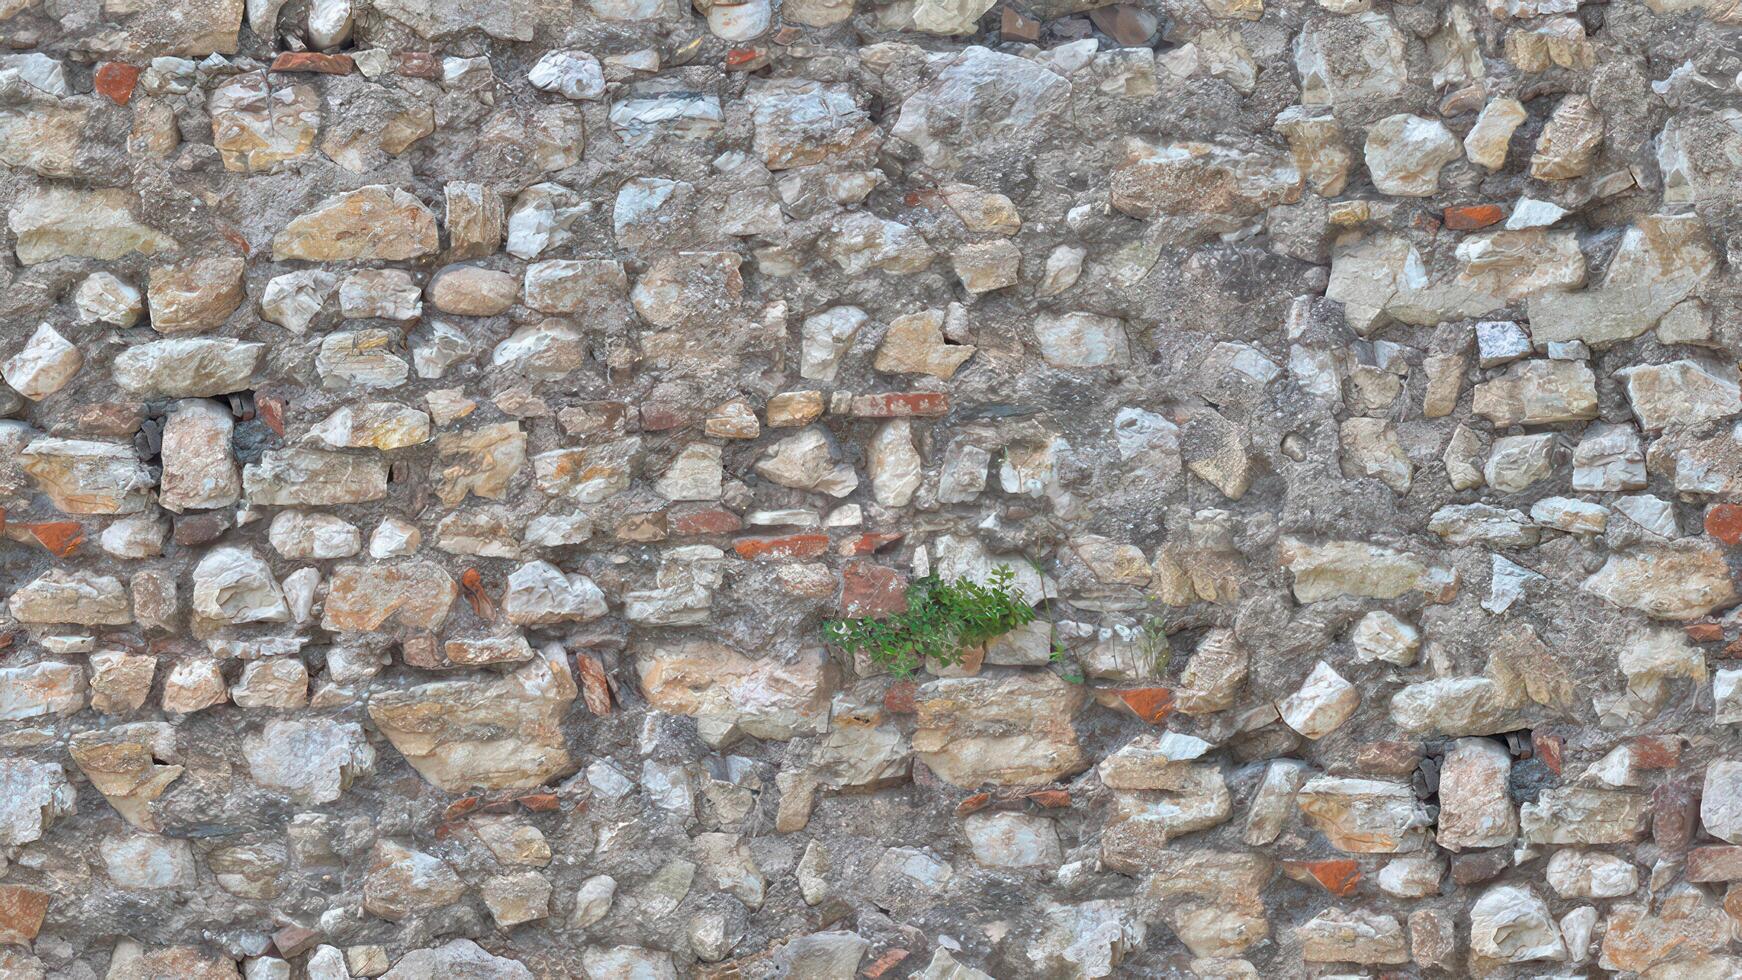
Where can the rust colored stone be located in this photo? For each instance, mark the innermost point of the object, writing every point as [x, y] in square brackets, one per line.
[293, 941]
[1152, 704]
[1674, 816]
[110, 420]
[60, 538]
[1473, 216]
[1050, 799]
[1704, 632]
[883, 964]
[1549, 749]
[270, 410]
[461, 807]
[1014, 26]
[973, 804]
[114, 80]
[472, 585]
[869, 589]
[538, 802]
[22, 911]
[417, 64]
[1656, 752]
[1718, 862]
[784, 546]
[314, 61]
[704, 520]
[595, 688]
[1724, 522]
[1339, 876]
[899, 699]
[901, 405]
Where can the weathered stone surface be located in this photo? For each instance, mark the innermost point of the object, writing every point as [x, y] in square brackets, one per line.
[375, 222]
[1015, 731]
[494, 734]
[732, 696]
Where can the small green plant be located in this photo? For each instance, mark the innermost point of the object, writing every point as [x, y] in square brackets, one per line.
[1152, 643]
[942, 620]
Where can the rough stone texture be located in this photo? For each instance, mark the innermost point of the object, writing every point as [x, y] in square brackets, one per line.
[433, 432]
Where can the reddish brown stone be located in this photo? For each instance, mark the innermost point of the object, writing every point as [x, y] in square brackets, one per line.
[1480, 866]
[899, 699]
[270, 409]
[1152, 704]
[314, 61]
[1339, 877]
[901, 405]
[417, 64]
[595, 688]
[1656, 752]
[472, 586]
[973, 804]
[1549, 749]
[1674, 816]
[1704, 632]
[747, 59]
[704, 520]
[1724, 522]
[1050, 799]
[865, 544]
[1718, 862]
[60, 538]
[293, 941]
[461, 807]
[869, 589]
[1013, 26]
[883, 964]
[193, 530]
[538, 802]
[114, 80]
[109, 420]
[1392, 758]
[784, 546]
[1128, 24]
[1472, 217]
[21, 913]
[1426, 223]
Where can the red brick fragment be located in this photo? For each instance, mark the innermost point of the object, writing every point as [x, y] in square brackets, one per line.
[538, 802]
[114, 80]
[973, 804]
[1472, 217]
[883, 964]
[1051, 799]
[314, 61]
[901, 405]
[1704, 632]
[784, 546]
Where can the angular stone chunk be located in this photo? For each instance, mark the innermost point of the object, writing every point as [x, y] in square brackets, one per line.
[1324, 701]
[479, 462]
[1008, 731]
[199, 472]
[189, 367]
[1330, 569]
[1200, 178]
[413, 594]
[458, 958]
[1675, 582]
[800, 123]
[33, 795]
[1538, 392]
[1512, 924]
[55, 222]
[1661, 259]
[1352, 936]
[982, 105]
[510, 20]
[1570, 142]
[502, 733]
[1575, 815]
[313, 478]
[258, 128]
[76, 598]
[82, 477]
[234, 585]
[1682, 392]
[540, 594]
[312, 761]
[1405, 153]
[371, 223]
[131, 765]
[43, 365]
[1475, 801]
[42, 688]
[732, 696]
[1081, 340]
[1365, 816]
[402, 882]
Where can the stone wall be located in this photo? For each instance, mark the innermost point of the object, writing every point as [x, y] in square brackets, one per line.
[435, 432]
